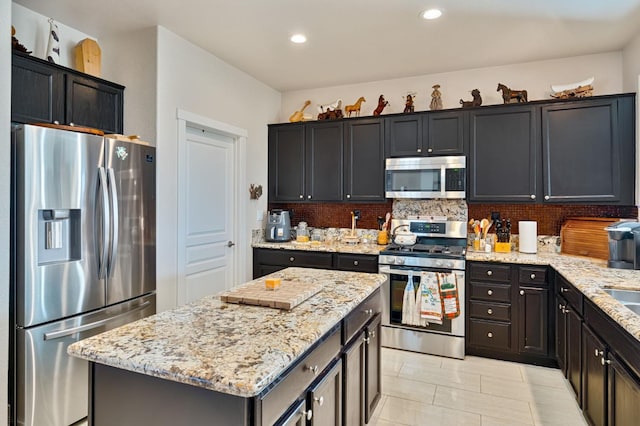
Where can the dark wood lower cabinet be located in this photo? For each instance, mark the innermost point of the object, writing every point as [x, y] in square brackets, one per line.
[325, 398]
[533, 320]
[372, 368]
[573, 348]
[266, 261]
[561, 332]
[594, 378]
[623, 395]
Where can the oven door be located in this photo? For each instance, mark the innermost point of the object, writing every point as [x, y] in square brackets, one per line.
[393, 296]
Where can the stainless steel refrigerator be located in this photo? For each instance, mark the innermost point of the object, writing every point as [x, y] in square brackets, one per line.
[83, 260]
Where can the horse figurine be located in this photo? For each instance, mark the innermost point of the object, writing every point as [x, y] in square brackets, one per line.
[381, 104]
[508, 94]
[355, 107]
[477, 100]
[330, 107]
[299, 115]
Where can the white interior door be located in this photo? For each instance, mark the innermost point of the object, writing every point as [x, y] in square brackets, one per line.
[206, 213]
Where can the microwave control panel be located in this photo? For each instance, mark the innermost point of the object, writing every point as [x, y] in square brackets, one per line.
[454, 179]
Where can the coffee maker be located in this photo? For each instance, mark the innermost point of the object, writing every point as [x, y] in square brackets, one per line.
[278, 226]
[624, 245]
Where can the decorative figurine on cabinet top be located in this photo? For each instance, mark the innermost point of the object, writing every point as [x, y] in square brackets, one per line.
[408, 104]
[355, 107]
[508, 95]
[53, 47]
[436, 100]
[476, 102]
[381, 104]
[299, 115]
[330, 111]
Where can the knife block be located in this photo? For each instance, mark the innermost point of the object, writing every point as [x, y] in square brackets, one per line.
[502, 247]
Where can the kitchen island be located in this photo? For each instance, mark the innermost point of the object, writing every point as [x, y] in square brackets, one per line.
[226, 363]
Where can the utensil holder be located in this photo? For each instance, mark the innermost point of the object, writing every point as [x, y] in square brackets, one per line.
[502, 247]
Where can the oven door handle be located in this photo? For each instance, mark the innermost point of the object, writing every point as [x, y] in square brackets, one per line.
[384, 269]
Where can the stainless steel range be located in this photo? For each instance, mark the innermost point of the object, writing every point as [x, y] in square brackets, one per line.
[440, 247]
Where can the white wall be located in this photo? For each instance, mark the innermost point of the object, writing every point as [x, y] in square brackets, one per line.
[631, 65]
[535, 77]
[133, 63]
[32, 31]
[196, 81]
[5, 179]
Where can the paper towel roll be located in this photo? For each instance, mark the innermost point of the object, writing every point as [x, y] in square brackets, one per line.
[528, 236]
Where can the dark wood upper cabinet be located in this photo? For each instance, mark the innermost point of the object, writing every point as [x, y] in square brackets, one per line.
[364, 160]
[443, 133]
[46, 92]
[324, 170]
[503, 154]
[403, 135]
[286, 163]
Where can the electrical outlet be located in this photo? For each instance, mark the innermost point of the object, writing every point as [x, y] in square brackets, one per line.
[495, 216]
[356, 214]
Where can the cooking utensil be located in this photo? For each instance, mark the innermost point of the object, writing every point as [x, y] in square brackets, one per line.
[380, 223]
[387, 218]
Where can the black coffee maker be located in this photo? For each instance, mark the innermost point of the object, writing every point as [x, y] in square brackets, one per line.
[278, 226]
[624, 245]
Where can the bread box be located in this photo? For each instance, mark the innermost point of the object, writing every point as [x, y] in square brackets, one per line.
[586, 236]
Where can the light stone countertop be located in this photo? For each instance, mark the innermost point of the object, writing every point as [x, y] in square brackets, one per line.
[588, 275]
[234, 349]
[335, 247]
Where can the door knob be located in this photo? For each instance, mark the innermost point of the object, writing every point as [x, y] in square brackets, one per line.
[320, 400]
[230, 244]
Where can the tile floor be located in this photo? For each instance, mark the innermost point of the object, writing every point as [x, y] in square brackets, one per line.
[427, 390]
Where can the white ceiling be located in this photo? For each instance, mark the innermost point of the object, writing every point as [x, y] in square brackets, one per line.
[353, 41]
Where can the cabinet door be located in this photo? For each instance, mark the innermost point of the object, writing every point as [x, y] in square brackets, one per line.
[533, 319]
[298, 416]
[353, 359]
[364, 160]
[574, 350]
[444, 133]
[93, 103]
[623, 395]
[324, 174]
[286, 163]
[594, 378]
[325, 398]
[372, 371]
[37, 92]
[403, 136]
[561, 334]
[581, 150]
[503, 154]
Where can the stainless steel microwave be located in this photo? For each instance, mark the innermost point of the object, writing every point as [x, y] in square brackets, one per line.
[426, 177]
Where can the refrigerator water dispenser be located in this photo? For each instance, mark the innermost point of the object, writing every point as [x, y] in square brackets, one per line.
[58, 236]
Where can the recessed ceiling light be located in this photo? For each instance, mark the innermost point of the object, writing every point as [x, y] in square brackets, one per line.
[432, 14]
[298, 38]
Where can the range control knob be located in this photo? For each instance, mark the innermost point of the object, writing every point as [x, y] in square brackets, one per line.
[399, 261]
[439, 262]
[389, 260]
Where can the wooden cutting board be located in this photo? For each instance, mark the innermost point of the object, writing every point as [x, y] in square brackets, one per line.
[585, 236]
[288, 296]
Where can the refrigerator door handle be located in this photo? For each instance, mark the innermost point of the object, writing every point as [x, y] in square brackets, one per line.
[113, 191]
[69, 331]
[106, 223]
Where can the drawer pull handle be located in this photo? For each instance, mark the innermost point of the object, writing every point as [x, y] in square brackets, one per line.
[521, 292]
[563, 290]
[291, 259]
[489, 335]
[313, 369]
[490, 311]
[368, 311]
[533, 276]
[301, 196]
[367, 340]
[320, 400]
[598, 353]
[490, 292]
[307, 414]
[605, 361]
[489, 272]
[372, 334]
[355, 262]
[566, 311]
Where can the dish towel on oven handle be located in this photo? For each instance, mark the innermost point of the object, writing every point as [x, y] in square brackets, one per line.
[449, 293]
[431, 301]
[408, 303]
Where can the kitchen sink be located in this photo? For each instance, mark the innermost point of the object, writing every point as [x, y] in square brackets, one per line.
[635, 307]
[624, 296]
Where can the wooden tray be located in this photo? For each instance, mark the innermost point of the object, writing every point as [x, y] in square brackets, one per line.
[585, 236]
[288, 296]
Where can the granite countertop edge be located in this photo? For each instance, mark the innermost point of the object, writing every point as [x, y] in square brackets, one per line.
[234, 349]
[360, 248]
[588, 275]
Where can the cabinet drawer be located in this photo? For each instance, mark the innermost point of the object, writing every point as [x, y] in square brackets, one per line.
[533, 275]
[296, 258]
[490, 311]
[357, 262]
[490, 272]
[570, 293]
[298, 379]
[491, 292]
[361, 315]
[489, 334]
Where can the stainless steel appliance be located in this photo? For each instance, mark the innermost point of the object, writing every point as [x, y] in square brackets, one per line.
[624, 245]
[83, 256]
[278, 226]
[440, 247]
[426, 177]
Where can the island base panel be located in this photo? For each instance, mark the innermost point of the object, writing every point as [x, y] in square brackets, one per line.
[133, 399]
